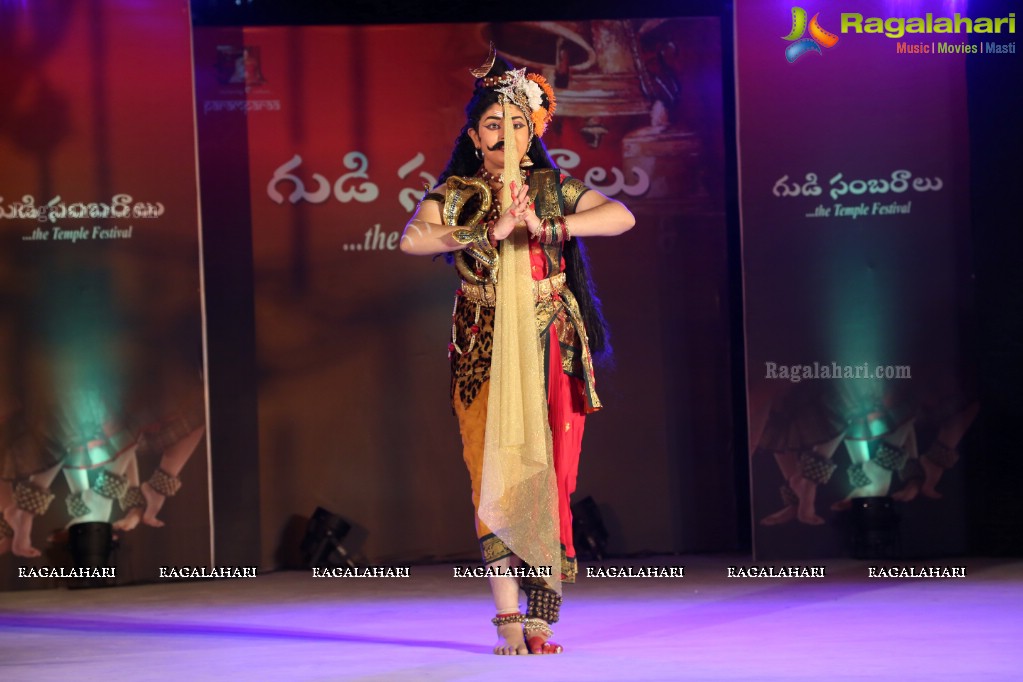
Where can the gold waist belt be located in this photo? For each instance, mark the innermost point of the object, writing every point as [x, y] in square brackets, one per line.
[543, 290]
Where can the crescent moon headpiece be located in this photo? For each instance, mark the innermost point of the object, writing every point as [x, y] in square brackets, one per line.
[526, 90]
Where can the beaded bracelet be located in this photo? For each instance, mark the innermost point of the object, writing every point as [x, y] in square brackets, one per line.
[505, 618]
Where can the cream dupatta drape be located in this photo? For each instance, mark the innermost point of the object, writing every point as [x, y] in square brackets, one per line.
[519, 497]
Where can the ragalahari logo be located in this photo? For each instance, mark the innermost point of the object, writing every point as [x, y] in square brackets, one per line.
[801, 45]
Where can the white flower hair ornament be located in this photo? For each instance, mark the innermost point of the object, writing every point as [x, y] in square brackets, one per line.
[527, 90]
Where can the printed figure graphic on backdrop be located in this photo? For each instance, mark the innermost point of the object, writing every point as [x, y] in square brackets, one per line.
[175, 438]
[879, 424]
[623, 85]
[27, 468]
[803, 431]
[520, 398]
[942, 424]
[806, 427]
[880, 436]
[72, 418]
[889, 422]
[99, 459]
[239, 65]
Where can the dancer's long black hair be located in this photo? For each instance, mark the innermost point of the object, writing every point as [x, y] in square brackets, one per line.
[464, 163]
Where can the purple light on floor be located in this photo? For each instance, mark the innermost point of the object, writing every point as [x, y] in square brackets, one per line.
[290, 626]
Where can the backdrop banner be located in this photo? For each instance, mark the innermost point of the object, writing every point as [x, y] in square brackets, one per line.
[854, 177]
[102, 398]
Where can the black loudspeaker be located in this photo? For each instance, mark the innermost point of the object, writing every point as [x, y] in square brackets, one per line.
[876, 532]
[92, 546]
[321, 546]
[589, 534]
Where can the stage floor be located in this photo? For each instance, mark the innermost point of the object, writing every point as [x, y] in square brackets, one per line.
[433, 626]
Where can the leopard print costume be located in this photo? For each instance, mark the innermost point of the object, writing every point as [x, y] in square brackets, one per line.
[471, 369]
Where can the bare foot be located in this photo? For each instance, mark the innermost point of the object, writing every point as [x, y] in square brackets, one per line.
[154, 502]
[844, 505]
[908, 492]
[130, 520]
[6, 534]
[783, 515]
[540, 644]
[21, 523]
[932, 475]
[807, 493]
[510, 641]
[810, 518]
[538, 634]
[59, 536]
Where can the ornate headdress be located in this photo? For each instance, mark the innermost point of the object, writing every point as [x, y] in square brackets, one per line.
[526, 90]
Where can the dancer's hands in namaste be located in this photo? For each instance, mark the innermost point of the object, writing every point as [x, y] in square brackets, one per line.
[521, 212]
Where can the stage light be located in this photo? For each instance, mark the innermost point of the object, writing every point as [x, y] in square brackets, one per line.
[321, 547]
[875, 528]
[92, 547]
[588, 531]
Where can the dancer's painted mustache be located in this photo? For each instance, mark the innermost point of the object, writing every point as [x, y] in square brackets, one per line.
[498, 145]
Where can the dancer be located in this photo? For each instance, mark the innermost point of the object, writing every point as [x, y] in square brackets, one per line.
[520, 397]
[28, 465]
[803, 431]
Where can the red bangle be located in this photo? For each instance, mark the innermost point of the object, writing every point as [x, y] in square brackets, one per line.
[553, 229]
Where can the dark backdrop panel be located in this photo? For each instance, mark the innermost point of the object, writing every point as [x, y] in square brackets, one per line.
[854, 170]
[996, 146]
[344, 125]
[222, 118]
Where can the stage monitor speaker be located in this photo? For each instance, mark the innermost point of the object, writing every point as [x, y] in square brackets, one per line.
[876, 532]
[321, 546]
[92, 547]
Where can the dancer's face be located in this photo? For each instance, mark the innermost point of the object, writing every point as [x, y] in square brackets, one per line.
[489, 135]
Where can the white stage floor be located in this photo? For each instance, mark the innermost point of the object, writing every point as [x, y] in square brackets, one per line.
[432, 626]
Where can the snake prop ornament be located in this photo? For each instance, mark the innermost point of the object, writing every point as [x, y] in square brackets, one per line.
[474, 233]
